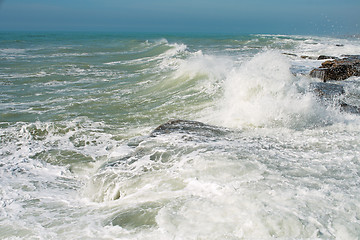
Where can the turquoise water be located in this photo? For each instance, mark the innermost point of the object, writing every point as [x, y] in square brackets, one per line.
[77, 160]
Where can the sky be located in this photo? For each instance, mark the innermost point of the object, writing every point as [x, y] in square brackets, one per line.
[322, 17]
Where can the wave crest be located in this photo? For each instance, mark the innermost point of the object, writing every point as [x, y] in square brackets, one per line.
[264, 93]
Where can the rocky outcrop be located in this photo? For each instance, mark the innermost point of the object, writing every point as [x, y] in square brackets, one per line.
[338, 69]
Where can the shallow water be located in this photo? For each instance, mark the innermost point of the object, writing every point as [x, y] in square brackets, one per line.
[78, 159]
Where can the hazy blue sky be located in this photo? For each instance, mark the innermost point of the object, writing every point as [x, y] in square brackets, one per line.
[212, 16]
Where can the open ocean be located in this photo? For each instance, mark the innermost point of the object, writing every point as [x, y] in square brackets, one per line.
[79, 159]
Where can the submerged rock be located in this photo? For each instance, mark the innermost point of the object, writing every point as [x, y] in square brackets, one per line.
[188, 127]
[330, 93]
[338, 69]
[189, 131]
[326, 90]
[349, 108]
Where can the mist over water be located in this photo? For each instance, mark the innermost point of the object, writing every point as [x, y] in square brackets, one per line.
[79, 158]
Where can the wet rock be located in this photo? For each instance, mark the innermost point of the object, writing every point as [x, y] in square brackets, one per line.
[189, 131]
[326, 90]
[290, 54]
[324, 57]
[309, 57]
[321, 57]
[330, 94]
[349, 108]
[351, 57]
[338, 69]
[188, 127]
[318, 73]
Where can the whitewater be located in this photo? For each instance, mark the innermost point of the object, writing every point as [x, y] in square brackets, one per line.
[257, 154]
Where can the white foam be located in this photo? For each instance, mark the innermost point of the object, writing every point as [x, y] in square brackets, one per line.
[316, 46]
[269, 180]
[263, 92]
[257, 190]
[12, 51]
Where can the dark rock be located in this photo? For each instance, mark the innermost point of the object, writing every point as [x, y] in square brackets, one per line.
[309, 57]
[290, 54]
[318, 73]
[188, 127]
[326, 90]
[351, 57]
[330, 94]
[349, 108]
[189, 131]
[338, 69]
[323, 57]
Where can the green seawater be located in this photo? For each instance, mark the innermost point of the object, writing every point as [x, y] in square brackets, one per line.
[114, 78]
[78, 160]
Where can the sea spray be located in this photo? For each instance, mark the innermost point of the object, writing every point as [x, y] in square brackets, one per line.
[263, 92]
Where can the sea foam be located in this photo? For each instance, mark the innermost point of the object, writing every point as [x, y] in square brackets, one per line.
[78, 158]
[264, 92]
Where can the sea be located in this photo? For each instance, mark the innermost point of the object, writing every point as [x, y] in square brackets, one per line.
[250, 151]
